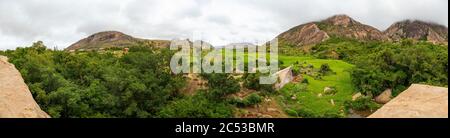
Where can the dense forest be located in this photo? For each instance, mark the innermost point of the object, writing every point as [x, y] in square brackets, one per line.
[91, 84]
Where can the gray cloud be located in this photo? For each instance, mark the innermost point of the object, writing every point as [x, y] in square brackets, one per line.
[60, 23]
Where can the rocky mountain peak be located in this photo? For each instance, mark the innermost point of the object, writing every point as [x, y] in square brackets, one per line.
[341, 20]
[418, 30]
[109, 39]
[108, 36]
[339, 26]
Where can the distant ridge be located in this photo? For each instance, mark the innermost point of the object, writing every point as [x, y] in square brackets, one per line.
[108, 39]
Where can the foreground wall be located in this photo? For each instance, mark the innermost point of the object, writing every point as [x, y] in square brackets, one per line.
[418, 101]
[16, 100]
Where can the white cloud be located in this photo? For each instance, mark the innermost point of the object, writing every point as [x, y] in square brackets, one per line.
[60, 23]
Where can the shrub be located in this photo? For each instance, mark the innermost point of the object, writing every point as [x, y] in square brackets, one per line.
[221, 85]
[253, 99]
[325, 69]
[251, 81]
[364, 103]
[305, 81]
[291, 112]
[250, 100]
[198, 106]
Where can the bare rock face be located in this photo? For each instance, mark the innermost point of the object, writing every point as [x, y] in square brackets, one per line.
[345, 26]
[418, 30]
[341, 20]
[307, 34]
[16, 100]
[418, 101]
[356, 96]
[338, 25]
[109, 39]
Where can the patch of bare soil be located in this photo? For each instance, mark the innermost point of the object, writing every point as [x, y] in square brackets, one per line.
[194, 83]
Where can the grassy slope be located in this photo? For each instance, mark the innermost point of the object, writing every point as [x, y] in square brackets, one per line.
[309, 100]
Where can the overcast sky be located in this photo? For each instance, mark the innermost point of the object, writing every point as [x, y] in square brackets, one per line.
[63, 22]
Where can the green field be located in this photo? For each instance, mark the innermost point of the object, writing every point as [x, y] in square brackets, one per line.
[308, 103]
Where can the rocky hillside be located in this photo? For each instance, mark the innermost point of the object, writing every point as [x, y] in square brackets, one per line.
[313, 33]
[109, 39]
[418, 30]
[344, 26]
[16, 100]
[338, 25]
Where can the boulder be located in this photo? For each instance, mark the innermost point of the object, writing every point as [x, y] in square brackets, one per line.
[319, 95]
[384, 97]
[294, 97]
[266, 116]
[329, 91]
[356, 96]
[284, 76]
[272, 110]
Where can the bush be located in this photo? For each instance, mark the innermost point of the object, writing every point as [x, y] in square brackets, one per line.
[308, 113]
[251, 81]
[325, 68]
[250, 100]
[291, 112]
[253, 99]
[360, 104]
[198, 106]
[221, 85]
[305, 81]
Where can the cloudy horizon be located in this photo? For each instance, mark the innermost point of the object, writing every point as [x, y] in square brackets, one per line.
[61, 23]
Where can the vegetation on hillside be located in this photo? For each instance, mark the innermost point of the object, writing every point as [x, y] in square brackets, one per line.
[382, 65]
[308, 99]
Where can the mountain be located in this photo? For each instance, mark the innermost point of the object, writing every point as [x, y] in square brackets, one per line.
[16, 100]
[339, 25]
[418, 30]
[109, 39]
